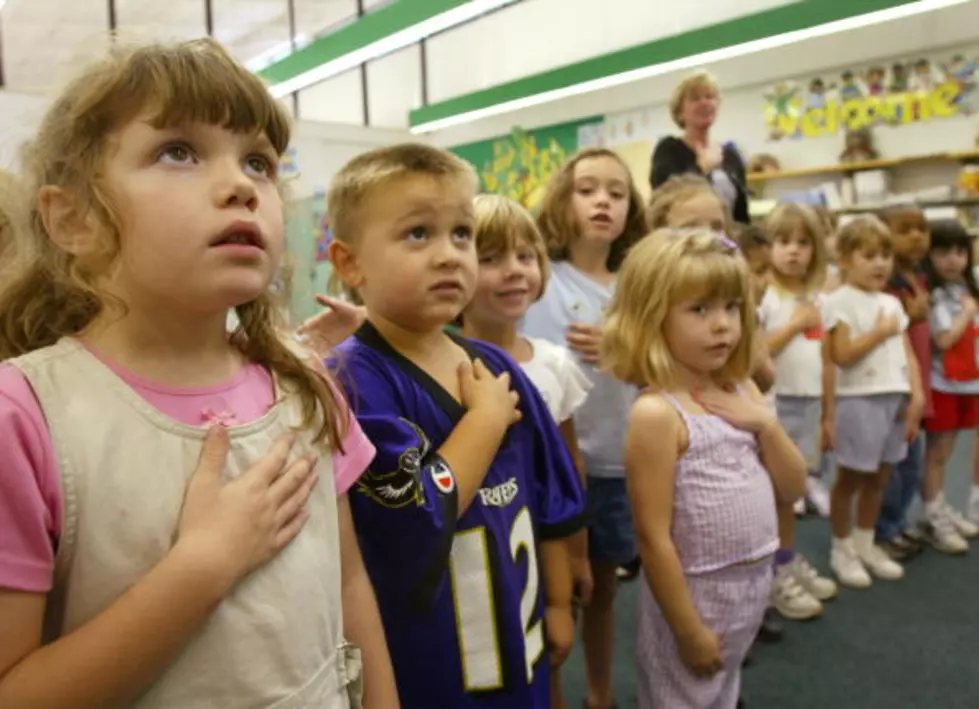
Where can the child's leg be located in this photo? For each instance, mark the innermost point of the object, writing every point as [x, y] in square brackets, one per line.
[843, 558]
[874, 558]
[841, 502]
[790, 597]
[797, 589]
[939, 528]
[871, 494]
[940, 445]
[598, 636]
[557, 691]
[892, 521]
[611, 543]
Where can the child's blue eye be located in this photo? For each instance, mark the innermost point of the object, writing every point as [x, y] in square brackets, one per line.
[463, 233]
[418, 233]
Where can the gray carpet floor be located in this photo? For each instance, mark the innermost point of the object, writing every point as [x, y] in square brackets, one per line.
[907, 644]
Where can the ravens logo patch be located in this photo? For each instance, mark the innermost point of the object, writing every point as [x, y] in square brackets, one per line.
[402, 486]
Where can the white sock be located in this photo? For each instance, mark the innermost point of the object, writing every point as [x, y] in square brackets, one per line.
[974, 495]
[863, 539]
[840, 543]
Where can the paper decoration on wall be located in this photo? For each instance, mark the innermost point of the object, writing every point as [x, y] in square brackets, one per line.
[905, 92]
[521, 168]
[520, 165]
[288, 164]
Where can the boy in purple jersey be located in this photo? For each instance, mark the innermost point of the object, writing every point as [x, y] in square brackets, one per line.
[472, 485]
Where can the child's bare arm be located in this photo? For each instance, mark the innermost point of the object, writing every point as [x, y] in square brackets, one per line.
[846, 350]
[113, 658]
[578, 542]
[471, 447]
[829, 395]
[361, 619]
[779, 455]
[558, 595]
[762, 367]
[650, 467]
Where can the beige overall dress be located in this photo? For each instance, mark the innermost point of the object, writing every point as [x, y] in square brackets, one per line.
[277, 639]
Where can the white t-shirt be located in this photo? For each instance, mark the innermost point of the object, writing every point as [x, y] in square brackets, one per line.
[885, 369]
[799, 366]
[561, 382]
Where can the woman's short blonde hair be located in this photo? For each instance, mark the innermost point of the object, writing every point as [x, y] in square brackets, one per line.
[667, 268]
[701, 80]
[502, 225]
[785, 219]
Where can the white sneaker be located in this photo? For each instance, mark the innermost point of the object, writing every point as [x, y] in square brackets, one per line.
[818, 495]
[819, 587]
[790, 599]
[800, 507]
[940, 532]
[847, 566]
[965, 528]
[880, 564]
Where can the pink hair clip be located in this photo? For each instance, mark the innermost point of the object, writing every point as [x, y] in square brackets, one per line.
[726, 241]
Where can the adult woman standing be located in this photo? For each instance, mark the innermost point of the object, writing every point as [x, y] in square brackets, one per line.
[693, 107]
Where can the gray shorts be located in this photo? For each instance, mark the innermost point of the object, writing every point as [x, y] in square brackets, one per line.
[801, 417]
[869, 432]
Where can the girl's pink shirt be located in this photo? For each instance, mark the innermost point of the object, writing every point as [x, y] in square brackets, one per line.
[30, 487]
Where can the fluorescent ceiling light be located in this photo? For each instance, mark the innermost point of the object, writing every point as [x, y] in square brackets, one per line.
[693, 61]
[391, 43]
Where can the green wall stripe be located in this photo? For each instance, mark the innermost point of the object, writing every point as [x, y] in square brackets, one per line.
[373, 26]
[787, 18]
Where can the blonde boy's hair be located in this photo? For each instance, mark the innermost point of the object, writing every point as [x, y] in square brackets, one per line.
[863, 233]
[677, 190]
[669, 267]
[364, 174]
[701, 80]
[784, 220]
[557, 221]
[53, 293]
[502, 225]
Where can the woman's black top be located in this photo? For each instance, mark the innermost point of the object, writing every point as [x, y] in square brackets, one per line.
[673, 156]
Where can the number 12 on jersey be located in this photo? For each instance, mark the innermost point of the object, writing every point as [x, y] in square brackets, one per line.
[472, 593]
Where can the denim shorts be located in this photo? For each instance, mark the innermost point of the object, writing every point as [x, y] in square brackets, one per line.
[611, 537]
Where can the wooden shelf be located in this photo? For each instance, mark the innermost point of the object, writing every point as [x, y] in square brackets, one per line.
[845, 168]
[924, 204]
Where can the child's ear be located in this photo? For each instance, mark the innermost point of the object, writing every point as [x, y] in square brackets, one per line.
[345, 263]
[69, 225]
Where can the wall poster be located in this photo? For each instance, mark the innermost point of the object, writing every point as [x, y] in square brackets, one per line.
[520, 165]
[895, 94]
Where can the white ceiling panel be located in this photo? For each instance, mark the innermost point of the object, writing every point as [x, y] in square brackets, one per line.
[45, 40]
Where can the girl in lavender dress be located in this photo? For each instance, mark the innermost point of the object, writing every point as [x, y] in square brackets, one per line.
[705, 461]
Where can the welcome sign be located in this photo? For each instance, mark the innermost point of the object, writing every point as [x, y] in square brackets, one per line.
[903, 92]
